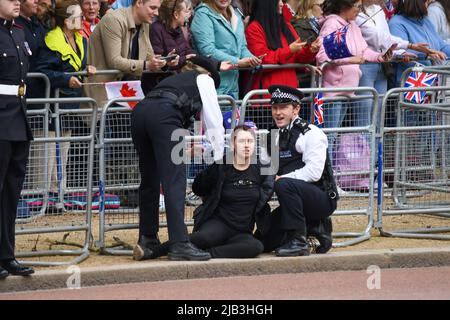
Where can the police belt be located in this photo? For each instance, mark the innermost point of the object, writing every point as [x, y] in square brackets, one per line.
[13, 90]
[166, 95]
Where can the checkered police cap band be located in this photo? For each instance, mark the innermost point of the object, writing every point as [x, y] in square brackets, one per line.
[283, 97]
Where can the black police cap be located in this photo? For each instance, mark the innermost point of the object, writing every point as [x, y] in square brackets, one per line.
[284, 94]
[209, 64]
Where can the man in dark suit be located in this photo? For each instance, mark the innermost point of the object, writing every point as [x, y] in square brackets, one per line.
[15, 133]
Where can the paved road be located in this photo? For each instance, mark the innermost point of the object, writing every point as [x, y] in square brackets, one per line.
[420, 283]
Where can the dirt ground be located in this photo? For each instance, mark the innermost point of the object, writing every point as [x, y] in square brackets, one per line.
[126, 239]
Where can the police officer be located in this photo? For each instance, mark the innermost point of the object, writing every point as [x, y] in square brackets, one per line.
[15, 133]
[170, 106]
[304, 184]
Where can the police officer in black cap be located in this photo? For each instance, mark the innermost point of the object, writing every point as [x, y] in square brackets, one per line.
[15, 133]
[171, 106]
[304, 184]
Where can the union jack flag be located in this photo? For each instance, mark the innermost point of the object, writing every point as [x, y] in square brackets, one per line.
[335, 44]
[419, 79]
[318, 110]
[389, 9]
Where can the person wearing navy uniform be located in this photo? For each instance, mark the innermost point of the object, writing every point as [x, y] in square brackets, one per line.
[304, 185]
[15, 133]
[171, 106]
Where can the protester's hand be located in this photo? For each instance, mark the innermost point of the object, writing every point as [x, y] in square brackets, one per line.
[226, 66]
[277, 178]
[74, 83]
[155, 64]
[315, 46]
[356, 60]
[297, 45]
[91, 70]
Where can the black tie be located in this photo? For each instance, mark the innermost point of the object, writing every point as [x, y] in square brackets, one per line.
[284, 139]
[135, 45]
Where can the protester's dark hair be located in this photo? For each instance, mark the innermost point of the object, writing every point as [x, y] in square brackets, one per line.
[266, 13]
[61, 12]
[415, 9]
[446, 6]
[337, 6]
[167, 10]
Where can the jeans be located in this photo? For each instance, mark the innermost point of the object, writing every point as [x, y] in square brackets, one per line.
[372, 76]
[334, 116]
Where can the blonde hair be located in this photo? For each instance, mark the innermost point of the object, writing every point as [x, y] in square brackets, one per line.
[304, 10]
[189, 66]
[212, 4]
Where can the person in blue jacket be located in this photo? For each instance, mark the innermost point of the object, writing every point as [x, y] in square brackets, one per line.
[412, 24]
[217, 31]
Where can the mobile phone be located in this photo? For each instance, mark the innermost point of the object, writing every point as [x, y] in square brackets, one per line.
[310, 40]
[169, 57]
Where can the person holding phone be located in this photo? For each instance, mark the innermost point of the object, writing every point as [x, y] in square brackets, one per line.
[217, 31]
[306, 24]
[167, 37]
[268, 33]
[375, 30]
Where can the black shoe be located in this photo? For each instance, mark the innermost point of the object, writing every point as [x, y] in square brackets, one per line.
[187, 251]
[3, 273]
[144, 249]
[296, 247]
[16, 269]
[322, 230]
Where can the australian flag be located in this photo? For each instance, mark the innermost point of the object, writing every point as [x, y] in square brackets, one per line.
[335, 44]
[318, 110]
[419, 79]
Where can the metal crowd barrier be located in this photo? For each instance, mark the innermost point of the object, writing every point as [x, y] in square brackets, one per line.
[119, 176]
[357, 200]
[37, 211]
[416, 161]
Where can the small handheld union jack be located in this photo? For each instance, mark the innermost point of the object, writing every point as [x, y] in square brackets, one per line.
[318, 110]
[419, 79]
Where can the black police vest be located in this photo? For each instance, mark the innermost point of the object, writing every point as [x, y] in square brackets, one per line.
[184, 86]
[291, 159]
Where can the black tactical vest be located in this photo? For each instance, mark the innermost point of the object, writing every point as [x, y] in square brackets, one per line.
[187, 96]
[291, 159]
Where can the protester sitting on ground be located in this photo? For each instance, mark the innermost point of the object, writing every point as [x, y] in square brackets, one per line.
[235, 196]
[218, 32]
[412, 24]
[91, 11]
[439, 14]
[271, 38]
[167, 36]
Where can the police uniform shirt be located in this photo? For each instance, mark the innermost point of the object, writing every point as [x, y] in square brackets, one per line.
[211, 115]
[313, 147]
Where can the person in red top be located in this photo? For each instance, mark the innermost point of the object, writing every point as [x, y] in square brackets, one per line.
[276, 42]
[91, 11]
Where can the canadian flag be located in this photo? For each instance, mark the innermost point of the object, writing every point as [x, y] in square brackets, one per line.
[124, 89]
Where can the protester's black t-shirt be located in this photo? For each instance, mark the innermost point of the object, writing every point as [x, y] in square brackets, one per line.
[240, 194]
